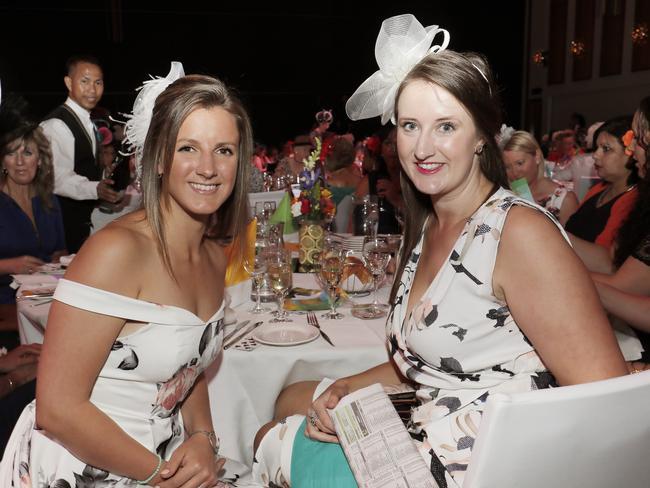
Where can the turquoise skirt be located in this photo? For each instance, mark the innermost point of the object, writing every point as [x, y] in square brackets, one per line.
[317, 464]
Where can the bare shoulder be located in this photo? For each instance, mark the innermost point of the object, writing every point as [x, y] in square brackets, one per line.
[525, 227]
[112, 258]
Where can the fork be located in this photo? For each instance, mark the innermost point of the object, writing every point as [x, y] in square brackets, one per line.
[313, 320]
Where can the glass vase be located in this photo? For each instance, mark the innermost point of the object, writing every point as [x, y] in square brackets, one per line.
[310, 238]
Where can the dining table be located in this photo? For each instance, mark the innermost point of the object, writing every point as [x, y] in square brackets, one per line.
[243, 383]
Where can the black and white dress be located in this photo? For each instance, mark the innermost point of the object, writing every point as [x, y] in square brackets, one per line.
[460, 343]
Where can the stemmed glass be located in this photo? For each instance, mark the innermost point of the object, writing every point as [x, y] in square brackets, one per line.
[256, 267]
[278, 268]
[330, 273]
[376, 254]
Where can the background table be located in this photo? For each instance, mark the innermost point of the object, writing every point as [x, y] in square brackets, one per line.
[243, 385]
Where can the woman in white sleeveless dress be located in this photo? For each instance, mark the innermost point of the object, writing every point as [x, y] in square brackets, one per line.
[121, 397]
[472, 310]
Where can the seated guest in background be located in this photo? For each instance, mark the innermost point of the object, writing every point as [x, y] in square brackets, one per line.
[563, 149]
[384, 182]
[593, 227]
[31, 226]
[343, 180]
[626, 292]
[140, 312]
[341, 176]
[17, 386]
[290, 167]
[522, 157]
[465, 322]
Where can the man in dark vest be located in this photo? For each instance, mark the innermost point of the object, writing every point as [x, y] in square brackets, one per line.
[77, 173]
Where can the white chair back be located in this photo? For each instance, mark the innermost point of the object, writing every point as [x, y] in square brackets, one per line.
[594, 435]
[264, 196]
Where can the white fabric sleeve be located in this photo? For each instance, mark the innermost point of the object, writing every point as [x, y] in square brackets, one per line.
[67, 183]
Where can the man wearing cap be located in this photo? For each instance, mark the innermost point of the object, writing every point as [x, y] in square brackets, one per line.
[77, 173]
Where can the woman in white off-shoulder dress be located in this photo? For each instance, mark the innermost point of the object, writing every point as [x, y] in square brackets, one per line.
[121, 398]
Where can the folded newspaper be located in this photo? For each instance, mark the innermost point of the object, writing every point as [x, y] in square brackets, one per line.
[376, 443]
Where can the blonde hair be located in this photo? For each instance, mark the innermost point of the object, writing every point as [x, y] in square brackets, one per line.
[170, 111]
[523, 141]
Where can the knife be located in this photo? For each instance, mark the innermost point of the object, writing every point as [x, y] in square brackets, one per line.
[242, 335]
[235, 330]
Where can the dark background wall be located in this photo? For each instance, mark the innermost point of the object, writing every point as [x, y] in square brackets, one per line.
[287, 59]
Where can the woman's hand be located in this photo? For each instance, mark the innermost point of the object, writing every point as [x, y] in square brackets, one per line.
[26, 355]
[637, 367]
[192, 465]
[319, 423]
[20, 265]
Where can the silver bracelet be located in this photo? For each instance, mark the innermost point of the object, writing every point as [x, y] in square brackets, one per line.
[212, 437]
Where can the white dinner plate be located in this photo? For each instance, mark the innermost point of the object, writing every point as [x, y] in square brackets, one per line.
[285, 334]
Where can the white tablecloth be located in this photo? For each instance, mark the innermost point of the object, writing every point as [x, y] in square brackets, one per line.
[243, 386]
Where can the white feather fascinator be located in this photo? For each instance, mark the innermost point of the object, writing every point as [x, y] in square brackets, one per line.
[137, 124]
[401, 44]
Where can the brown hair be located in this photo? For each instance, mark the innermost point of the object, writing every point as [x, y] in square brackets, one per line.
[43, 182]
[341, 156]
[467, 76]
[170, 111]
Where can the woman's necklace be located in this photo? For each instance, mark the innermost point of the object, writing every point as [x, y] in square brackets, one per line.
[601, 198]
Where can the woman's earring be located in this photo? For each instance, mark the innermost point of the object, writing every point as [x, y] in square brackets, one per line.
[479, 150]
[4, 171]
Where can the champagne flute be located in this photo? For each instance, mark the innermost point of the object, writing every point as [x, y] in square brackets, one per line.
[278, 267]
[330, 274]
[376, 254]
[256, 267]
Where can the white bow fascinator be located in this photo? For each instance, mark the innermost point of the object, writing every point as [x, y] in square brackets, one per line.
[401, 44]
[137, 124]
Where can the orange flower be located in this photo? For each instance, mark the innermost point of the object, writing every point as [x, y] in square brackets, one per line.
[627, 139]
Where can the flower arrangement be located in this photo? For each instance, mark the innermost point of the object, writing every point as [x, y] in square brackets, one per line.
[313, 202]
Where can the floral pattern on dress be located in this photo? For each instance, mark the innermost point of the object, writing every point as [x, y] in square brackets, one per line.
[460, 343]
[553, 202]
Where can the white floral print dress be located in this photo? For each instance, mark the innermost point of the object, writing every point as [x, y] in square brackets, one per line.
[460, 343]
[141, 387]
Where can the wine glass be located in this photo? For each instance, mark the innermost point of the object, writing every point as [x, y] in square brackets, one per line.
[376, 254]
[256, 267]
[330, 273]
[278, 268]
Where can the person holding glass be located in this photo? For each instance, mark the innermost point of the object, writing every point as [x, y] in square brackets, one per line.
[465, 321]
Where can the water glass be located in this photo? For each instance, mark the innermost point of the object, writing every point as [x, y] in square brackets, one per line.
[278, 268]
[376, 254]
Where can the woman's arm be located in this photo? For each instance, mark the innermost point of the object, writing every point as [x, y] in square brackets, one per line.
[632, 277]
[195, 459]
[595, 257]
[386, 374]
[77, 343]
[633, 309]
[569, 206]
[554, 301]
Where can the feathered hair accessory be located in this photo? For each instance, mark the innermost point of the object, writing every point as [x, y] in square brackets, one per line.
[137, 124]
[402, 43]
[504, 136]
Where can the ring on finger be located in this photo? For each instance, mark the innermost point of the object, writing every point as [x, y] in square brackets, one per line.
[313, 418]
